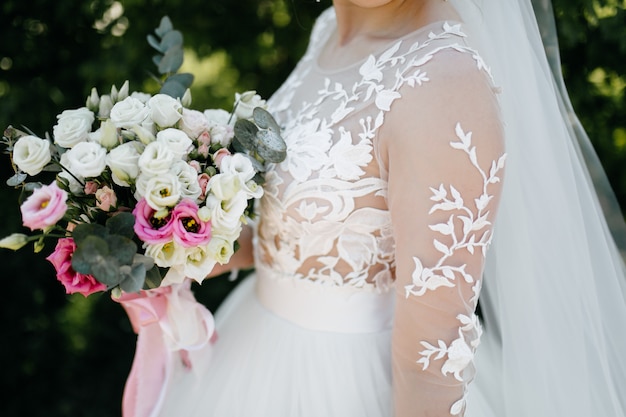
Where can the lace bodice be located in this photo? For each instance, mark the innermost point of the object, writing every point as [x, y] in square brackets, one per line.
[361, 202]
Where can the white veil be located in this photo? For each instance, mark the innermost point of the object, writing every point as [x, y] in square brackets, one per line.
[554, 298]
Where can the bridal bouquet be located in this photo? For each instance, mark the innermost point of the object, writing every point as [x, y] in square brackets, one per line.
[146, 191]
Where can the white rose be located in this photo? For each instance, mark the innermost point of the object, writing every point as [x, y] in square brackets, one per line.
[246, 103]
[31, 154]
[156, 159]
[220, 249]
[143, 97]
[73, 126]
[165, 111]
[160, 191]
[238, 164]
[106, 135]
[176, 140]
[224, 186]
[217, 116]
[226, 214]
[188, 178]
[198, 264]
[194, 123]
[123, 162]
[129, 112]
[87, 159]
[75, 181]
[166, 254]
[144, 133]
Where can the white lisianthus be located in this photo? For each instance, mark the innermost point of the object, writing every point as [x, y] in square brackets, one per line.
[123, 163]
[175, 275]
[106, 104]
[73, 126]
[188, 178]
[166, 254]
[74, 180]
[217, 116]
[229, 235]
[87, 159]
[129, 112]
[14, 241]
[220, 249]
[222, 134]
[144, 133]
[252, 189]
[156, 159]
[143, 97]
[199, 263]
[224, 186]
[246, 102]
[194, 123]
[239, 165]
[106, 135]
[160, 191]
[31, 154]
[176, 140]
[226, 214]
[165, 111]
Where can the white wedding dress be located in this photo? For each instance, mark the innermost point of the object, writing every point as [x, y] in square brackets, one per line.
[370, 246]
[311, 333]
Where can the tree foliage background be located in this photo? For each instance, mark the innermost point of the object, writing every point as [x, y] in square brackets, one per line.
[67, 355]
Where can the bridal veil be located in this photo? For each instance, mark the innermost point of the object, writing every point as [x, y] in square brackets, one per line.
[554, 296]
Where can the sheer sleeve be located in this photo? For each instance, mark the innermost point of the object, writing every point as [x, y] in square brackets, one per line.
[443, 149]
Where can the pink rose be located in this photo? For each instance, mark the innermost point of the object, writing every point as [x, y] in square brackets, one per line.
[91, 187]
[73, 282]
[105, 198]
[219, 155]
[150, 229]
[189, 230]
[44, 207]
[204, 138]
[203, 181]
[203, 150]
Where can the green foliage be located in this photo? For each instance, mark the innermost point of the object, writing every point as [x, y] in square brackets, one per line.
[266, 144]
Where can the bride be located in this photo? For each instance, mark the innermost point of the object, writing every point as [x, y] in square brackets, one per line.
[410, 124]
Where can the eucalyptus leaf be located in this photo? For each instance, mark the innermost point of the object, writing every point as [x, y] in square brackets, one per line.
[264, 119]
[172, 39]
[32, 186]
[155, 43]
[132, 278]
[84, 230]
[173, 88]
[237, 145]
[91, 251]
[121, 249]
[107, 271]
[171, 61]
[147, 261]
[270, 146]
[121, 224]
[153, 278]
[245, 132]
[164, 26]
[17, 179]
[185, 79]
[156, 59]
[256, 164]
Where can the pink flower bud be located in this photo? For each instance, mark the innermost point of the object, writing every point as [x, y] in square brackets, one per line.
[105, 198]
[219, 155]
[91, 187]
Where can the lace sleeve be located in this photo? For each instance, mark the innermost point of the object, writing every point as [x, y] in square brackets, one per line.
[444, 148]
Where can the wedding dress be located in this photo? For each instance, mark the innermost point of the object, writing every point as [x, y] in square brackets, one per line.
[368, 266]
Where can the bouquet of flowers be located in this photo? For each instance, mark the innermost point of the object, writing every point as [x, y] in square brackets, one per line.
[147, 191]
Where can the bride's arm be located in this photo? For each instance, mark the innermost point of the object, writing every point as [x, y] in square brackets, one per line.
[443, 146]
[242, 259]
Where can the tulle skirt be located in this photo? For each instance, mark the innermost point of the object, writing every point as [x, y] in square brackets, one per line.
[265, 365]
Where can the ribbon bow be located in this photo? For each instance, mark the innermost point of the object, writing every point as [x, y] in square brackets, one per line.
[166, 320]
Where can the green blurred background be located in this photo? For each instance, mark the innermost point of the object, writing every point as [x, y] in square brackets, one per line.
[69, 356]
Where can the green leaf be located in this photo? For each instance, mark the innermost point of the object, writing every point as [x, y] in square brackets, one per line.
[156, 59]
[264, 119]
[185, 79]
[17, 179]
[91, 251]
[85, 230]
[122, 249]
[172, 60]
[245, 132]
[106, 270]
[173, 88]
[155, 43]
[153, 278]
[164, 27]
[121, 224]
[173, 39]
[270, 146]
[132, 278]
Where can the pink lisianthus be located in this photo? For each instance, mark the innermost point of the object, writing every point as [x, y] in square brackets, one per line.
[219, 155]
[73, 282]
[150, 229]
[203, 181]
[44, 207]
[189, 229]
[106, 199]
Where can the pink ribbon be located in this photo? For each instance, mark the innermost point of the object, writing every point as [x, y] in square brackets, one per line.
[166, 320]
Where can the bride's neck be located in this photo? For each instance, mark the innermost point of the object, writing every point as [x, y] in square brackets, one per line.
[373, 20]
